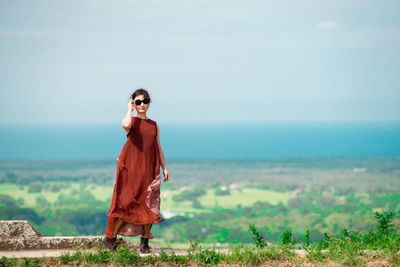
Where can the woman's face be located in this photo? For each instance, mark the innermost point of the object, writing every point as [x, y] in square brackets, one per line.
[142, 108]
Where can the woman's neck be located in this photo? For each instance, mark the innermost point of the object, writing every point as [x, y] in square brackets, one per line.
[141, 115]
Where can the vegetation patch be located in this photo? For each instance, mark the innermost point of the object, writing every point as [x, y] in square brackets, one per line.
[349, 248]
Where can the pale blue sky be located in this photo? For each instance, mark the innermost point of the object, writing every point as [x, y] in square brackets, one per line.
[208, 60]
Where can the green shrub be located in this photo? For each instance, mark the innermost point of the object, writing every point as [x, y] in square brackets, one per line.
[220, 192]
[189, 195]
[7, 200]
[257, 237]
[287, 237]
[41, 201]
[55, 188]
[385, 226]
[35, 187]
[307, 237]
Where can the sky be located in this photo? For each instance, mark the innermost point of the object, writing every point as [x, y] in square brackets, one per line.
[74, 62]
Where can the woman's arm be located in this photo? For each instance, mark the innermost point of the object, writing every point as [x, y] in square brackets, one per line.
[127, 120]
[162, 159]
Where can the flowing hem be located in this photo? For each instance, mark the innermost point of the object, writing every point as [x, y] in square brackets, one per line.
[131, 228]
[134, 230]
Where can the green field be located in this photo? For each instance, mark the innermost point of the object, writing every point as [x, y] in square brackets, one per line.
[244, 197]
[323, 195]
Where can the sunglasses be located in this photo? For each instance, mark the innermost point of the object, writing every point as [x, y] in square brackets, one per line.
[138, 102]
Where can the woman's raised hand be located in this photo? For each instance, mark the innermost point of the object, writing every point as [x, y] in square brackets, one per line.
[130, 106]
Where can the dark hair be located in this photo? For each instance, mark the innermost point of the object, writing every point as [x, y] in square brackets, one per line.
[140, 91]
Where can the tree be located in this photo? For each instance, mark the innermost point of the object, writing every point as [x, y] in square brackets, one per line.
[7, 200]
[35, 187]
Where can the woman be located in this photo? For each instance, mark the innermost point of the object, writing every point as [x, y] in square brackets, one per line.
[135, 203]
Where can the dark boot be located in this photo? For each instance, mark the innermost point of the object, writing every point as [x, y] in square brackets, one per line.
[115, 243]
[144, 245]
[109, 243]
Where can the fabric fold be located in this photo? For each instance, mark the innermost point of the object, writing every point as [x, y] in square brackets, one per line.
[153, 203]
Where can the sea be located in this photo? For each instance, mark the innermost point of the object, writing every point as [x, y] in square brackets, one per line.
[207, 140]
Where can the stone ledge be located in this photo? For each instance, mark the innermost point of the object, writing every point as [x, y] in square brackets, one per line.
[17, 229]
[21, 235]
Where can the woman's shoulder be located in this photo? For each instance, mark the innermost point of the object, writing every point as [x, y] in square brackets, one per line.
[153, 121]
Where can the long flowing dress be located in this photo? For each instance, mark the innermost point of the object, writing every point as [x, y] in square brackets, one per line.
[136, 196]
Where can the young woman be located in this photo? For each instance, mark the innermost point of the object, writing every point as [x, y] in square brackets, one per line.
[135, 203]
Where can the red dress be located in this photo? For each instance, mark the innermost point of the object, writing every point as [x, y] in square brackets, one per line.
[136, 196]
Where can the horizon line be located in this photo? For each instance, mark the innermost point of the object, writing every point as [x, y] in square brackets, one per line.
[200, 122]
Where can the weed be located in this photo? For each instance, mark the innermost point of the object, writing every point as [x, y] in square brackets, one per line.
[65, 258]
[307, 237]
[257, 237]
[164, 256]
[208, 256]
[287, 237]
[172, 257]
[385, 226]
[193, 246]
[4, 261]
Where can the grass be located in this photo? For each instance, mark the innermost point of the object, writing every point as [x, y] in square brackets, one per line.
[276, 255]
[355, 248]
[130, 257]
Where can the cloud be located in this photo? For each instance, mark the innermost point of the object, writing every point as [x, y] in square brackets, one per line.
[326, 25]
